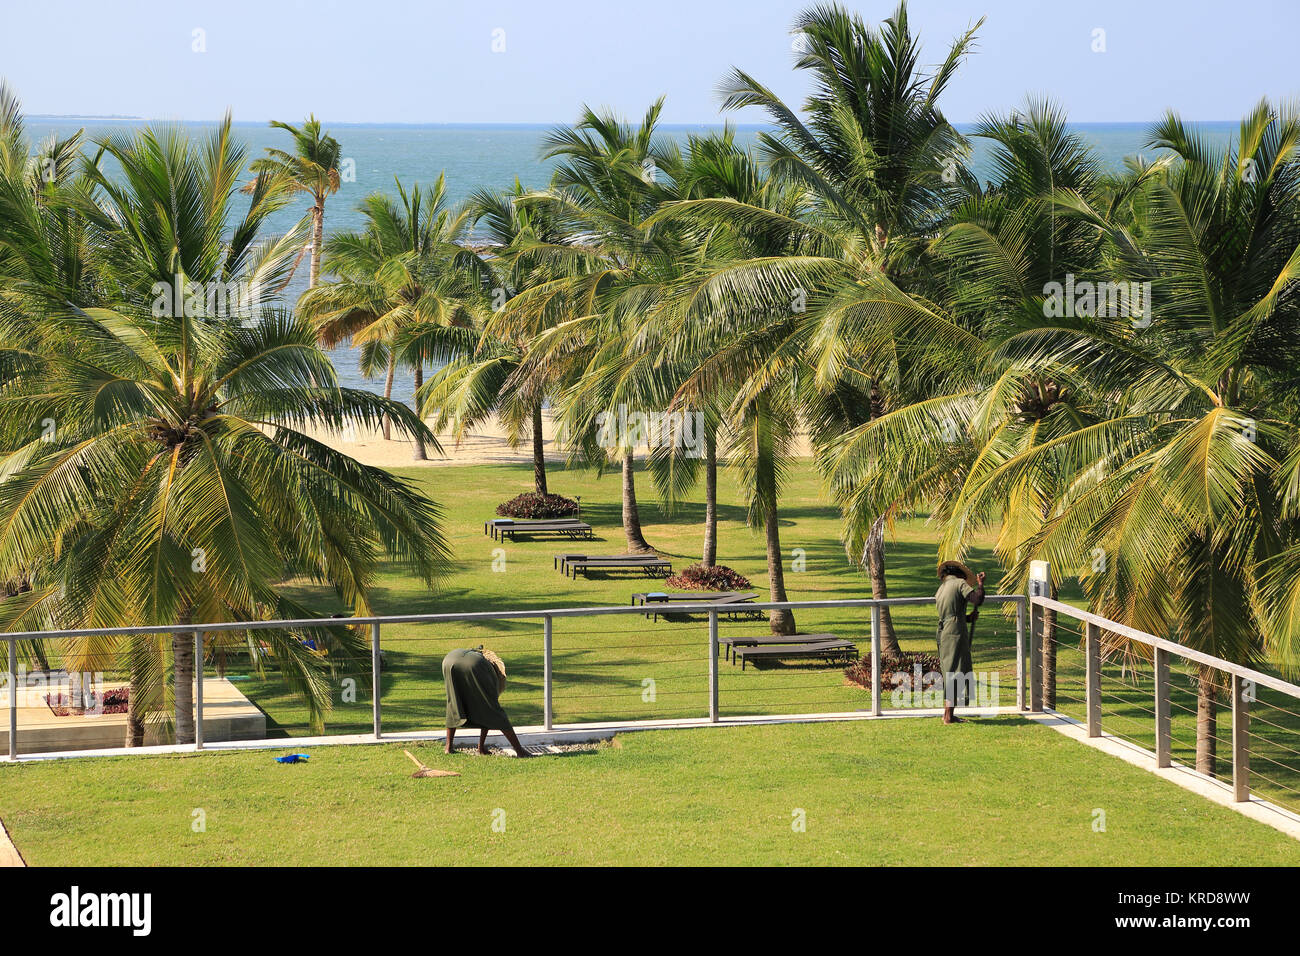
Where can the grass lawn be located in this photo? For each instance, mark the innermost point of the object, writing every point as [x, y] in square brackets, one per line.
[998, 791]
[625, 667]
[873, 792]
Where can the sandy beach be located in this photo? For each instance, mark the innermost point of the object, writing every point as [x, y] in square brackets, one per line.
[485, 446]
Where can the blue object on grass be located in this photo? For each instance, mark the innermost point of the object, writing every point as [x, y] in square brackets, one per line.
[293, 758]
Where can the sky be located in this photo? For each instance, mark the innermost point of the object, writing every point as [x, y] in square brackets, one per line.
[538, 61]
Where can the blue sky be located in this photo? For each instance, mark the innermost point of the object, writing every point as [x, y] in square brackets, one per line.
[390, 61]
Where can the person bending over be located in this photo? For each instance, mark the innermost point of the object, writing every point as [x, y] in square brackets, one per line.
[474, 679]
[958, 586]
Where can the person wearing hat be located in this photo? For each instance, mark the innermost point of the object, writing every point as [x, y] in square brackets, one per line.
[958, 587]
[474, 679]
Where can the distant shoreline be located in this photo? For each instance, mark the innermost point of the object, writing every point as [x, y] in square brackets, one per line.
[397, 124]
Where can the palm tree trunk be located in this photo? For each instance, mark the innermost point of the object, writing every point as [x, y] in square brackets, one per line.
[76, 692]
[539, 452]
[284, 284]
[317, 238]
[420, 453]
[875, 552]
[1207, 719]
[631, 516]
[137, 704]
[710, 499]
[780, 619]
[388, 393]
[183, 689]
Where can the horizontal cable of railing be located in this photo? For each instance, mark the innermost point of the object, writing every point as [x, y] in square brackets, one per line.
[707, 638]
[703, 607]
[1173, 647]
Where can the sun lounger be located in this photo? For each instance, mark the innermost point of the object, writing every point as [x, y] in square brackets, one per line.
[567, 527]
[778, 647]
[649, 566]
[652, 597]
[731, 603]
[490, 526]
[731, 642]
[561, 560]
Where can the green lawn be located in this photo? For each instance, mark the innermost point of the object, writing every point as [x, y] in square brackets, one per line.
[999, 791]
[603, 665]
[873, 792]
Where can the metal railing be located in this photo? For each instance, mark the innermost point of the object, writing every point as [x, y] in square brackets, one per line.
[547, 616]
[1244, 684]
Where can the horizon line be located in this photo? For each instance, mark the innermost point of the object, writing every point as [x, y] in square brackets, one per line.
[521, 123]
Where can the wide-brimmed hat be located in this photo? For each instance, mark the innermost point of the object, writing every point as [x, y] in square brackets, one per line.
[496, 662]
[959, 568]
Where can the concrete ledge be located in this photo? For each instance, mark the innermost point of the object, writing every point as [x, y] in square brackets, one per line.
[227, 715]
[1218, 791]
[9, 855]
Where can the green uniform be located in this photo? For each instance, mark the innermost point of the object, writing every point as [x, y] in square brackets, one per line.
[954, 639]
[473, 686]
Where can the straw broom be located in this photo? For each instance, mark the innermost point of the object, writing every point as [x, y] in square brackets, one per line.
[428, 771]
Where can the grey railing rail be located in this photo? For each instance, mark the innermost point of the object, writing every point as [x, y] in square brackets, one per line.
[547, 616]
[1243, 682]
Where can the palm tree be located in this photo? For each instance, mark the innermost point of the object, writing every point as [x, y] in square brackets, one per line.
[881, 167]
[972, 404]
[1158, 439]
[1180, 489]
[176, 485]
[409, 268]
[486, 370]
[726, 360]
[313, 168]
[610, 179]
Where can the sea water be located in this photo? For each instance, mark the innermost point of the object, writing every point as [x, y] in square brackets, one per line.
[494, 156]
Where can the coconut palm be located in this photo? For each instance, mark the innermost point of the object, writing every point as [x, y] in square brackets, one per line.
[1158, 440]
[609, 180]
[882, 167]
[961, 414]
[1181, 492]
[485, 370]
[726, 361]
[155, 470]
[313, 168]
[408, 268]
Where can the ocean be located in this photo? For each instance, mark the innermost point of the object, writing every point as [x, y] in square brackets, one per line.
[475, 156]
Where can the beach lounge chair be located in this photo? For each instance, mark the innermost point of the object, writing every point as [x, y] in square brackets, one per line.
[565, 527]
[651, 566]
[561, 560]
[490, 526]
[730, 603]
[784, 646]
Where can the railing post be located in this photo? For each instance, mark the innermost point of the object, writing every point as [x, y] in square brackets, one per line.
[198, 690]
[374, 675]
[1240, 739]
[875, 660]
[1035, 658]
[13, 698]
[1163, 729]
[1020, 654]
[713, 666]
[1040, 585]
[1092, 639]
[548, 679]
